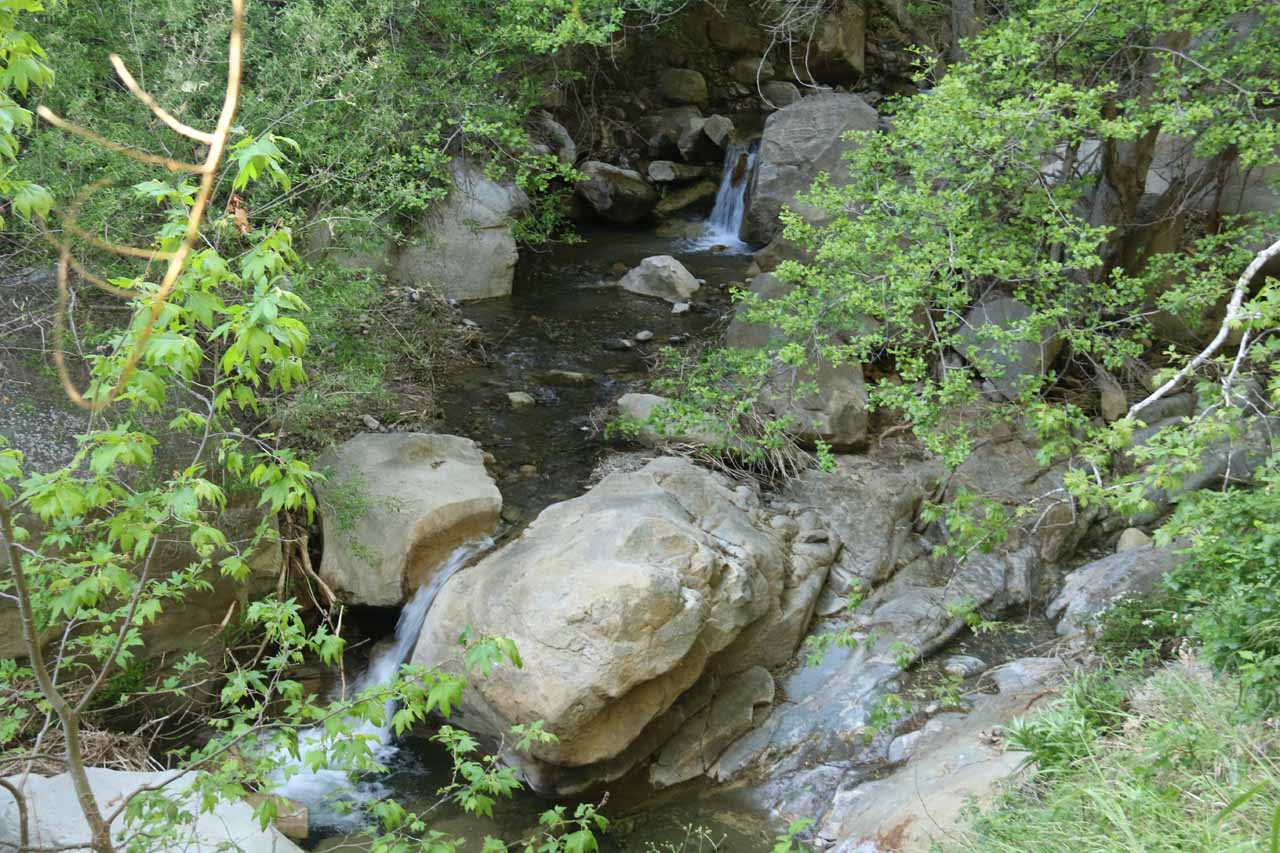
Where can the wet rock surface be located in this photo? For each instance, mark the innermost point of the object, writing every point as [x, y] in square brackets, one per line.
[953, 760]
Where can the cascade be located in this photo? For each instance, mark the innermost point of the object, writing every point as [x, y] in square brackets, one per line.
[320, 789]
[724, 224]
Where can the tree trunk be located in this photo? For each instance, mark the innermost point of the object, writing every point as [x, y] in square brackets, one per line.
[67, 715]
[964, 23]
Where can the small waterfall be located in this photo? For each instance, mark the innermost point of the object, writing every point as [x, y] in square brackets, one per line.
[725, 223]
[319, 789]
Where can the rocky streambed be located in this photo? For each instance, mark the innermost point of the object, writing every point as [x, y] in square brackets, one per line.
[661, 610]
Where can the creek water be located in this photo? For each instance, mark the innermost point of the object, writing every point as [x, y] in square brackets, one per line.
[324, 791]
[724, 225]
[558, 338]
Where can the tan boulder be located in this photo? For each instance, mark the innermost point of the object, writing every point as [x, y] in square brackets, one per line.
[394, 506]
[619, 601]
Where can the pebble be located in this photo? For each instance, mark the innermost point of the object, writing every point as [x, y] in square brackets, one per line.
[370, 422]
[511, 514]
[520, 399]
[1131, 540]
[680, 308]
[567, 377]
[618, 345]
[677, 340]
[645, 336]
[963, 665]
[528, 471]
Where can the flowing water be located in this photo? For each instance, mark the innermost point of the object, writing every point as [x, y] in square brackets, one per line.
[320, 790]
[723, 228]
[566, 313]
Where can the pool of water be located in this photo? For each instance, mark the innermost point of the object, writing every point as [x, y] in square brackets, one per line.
[568, 314]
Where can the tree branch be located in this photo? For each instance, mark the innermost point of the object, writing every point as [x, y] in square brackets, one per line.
[1233, 313]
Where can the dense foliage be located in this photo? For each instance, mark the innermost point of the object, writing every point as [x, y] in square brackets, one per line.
[96, 550]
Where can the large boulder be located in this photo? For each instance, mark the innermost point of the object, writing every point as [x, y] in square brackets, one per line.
[1090, 590]
[1006, 364]
[55, 822]
[836, 412]
[617, 195]
[394, 506]
[703, 140]
[799, 142]
[466, 248]
[661, 276]
[871, 501]
[620, 601]
[661, 130]
[692, 197]
[683, 86]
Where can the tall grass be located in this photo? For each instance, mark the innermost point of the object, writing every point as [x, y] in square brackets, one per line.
[1164, 763]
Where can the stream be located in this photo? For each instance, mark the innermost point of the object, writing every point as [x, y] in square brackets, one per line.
[567, 336]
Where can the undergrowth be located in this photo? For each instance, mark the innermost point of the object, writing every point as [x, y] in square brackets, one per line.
[1127, 763]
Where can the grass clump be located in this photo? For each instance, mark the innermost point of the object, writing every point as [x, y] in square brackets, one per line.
[1166, 762]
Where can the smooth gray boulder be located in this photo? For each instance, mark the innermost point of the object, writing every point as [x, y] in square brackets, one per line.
[55, 822]
[801, 141]
[663, 277]
[394, 506]
[1090, 590]
[667, 171]
[620, 601]
[617, 195]
[777, 94]
[836, 412]
[1006, 365]
[465, 248]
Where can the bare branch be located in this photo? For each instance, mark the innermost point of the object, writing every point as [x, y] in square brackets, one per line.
[115, 147]
[1234, 313]
[159, 111]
